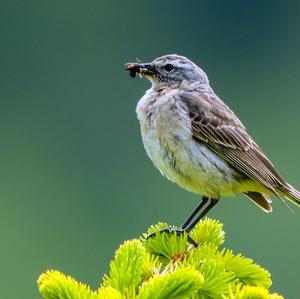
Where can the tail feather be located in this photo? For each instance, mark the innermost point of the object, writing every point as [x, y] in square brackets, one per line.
[262, 200]
[291, 194]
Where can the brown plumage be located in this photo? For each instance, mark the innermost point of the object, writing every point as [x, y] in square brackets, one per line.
[214, 124]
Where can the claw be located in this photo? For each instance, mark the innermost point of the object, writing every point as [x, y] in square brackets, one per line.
[178, 233]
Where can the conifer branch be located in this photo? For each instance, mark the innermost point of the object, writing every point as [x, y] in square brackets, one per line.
[168, 267]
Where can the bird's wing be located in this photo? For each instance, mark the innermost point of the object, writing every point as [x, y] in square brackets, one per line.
[214, 124]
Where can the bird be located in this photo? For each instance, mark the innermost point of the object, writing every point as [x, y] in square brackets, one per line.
[196, 141]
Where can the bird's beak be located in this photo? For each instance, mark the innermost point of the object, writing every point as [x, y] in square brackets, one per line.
[140, 68]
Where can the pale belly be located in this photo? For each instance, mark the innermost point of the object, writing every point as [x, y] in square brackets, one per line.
[190, 164]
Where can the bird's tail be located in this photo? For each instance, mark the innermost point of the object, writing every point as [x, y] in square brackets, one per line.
[290, 193]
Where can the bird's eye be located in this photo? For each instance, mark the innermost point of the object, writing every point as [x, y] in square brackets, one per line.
[169, 67]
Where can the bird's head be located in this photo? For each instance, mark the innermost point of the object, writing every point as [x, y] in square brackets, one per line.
[168, 70]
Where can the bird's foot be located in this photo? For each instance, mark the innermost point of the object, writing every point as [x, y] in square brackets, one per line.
[178, 232]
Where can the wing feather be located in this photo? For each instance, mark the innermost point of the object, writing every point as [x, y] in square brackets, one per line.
[214, 124]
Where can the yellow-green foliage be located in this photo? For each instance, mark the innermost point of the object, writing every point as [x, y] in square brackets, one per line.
[54, 284]
[166, 266]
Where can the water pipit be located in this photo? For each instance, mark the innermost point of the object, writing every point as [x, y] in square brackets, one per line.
[197, 141]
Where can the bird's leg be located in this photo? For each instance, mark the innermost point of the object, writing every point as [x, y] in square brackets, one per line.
[202, 214]
[187, 225]
[194, 213]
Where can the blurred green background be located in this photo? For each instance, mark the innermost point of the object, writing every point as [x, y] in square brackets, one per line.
[75, 181]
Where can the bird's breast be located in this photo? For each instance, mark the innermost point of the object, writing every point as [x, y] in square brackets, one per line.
[167, 137]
